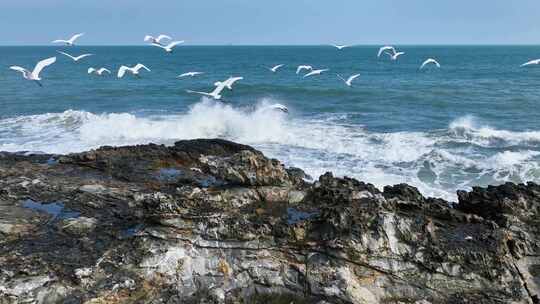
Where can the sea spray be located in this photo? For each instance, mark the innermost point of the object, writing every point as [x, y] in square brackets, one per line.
[438, 162]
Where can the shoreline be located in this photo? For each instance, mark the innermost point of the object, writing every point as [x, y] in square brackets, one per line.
[216, 221]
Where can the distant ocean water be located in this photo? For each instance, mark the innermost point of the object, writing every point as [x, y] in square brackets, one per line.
[476, 121]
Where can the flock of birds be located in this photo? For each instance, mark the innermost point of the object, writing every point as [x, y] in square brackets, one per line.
[216, 94]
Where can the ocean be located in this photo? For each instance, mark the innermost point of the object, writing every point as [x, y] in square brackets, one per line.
[473, 122]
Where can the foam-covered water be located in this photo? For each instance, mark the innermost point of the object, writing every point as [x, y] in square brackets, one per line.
[474, 122]
[438, 162]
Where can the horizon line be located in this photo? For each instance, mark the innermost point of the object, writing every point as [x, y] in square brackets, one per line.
[282, 45]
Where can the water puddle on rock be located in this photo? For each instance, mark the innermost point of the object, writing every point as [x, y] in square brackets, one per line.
[295, 216]
[170, 174]
[55, 209]
[132, 231]
[52, 161]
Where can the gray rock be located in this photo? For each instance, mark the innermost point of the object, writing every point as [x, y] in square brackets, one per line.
[210, 221]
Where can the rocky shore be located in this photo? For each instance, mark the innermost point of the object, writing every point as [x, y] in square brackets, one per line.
[211, 221]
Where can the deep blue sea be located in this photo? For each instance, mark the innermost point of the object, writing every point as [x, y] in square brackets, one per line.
[474, 121]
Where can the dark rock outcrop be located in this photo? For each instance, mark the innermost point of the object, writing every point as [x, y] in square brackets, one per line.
[211, 221]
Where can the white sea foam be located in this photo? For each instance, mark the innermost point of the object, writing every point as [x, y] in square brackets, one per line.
[468, 129]
[436, 162]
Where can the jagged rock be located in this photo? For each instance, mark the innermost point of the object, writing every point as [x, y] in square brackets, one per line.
[211, 221]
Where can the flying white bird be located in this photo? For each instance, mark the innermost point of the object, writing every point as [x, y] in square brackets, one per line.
[98, 71]
[430, 61]
[157, 40]
[315, 72]
[303, 67]
[394, 56]
[340, 47]
[349, 80]
[168, 48]
[134, 70]
[70, 41]
[34, 75]
[386, 48]
[189, 74]
[279, 107]
[275, 68]
[220, 86]
[532, 62]
[229, 82]
[75, 58]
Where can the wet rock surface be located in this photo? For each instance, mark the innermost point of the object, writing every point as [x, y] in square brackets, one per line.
[211, 221]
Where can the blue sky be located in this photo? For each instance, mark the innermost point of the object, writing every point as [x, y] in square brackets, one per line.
[273, 21]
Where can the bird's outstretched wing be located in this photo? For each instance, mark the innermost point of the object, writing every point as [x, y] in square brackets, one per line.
[303, 67]
[75, 37]
[532, 62]
[140, 66]
[339, 47]
[277, 67]
[229, 82]
[158, 45]
[104, 70]
[352, 78]
[19, 69]
[59, 41]
[310, 74]
[81, 57]
[42, 64]
[91, 70]
[189, 74]
[148, 38]
[160, 37]
[200, 93]
[66, 54]
[386, 48]
[430, 60]
[122, 71]
[174, 43]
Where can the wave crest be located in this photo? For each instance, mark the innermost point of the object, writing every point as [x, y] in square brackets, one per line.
[437, 162]
[467, 129]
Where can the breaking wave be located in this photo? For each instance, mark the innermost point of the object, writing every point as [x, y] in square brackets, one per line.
[437, 162]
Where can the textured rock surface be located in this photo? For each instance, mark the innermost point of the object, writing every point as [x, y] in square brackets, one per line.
[210, 221]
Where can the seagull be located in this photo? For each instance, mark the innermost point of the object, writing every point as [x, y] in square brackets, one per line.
[98, 71]
[386, 48]
[303, 67]
[34, 75]
[134, 70]
[229, 82]
[189, 74]
[75, 58]
[279, 107]
[156, 40]
[430, 60]
[168, 48]
[275, 68]
[70, 41]
[349, 80]
[340, 47]
[220, 86]
[395, 55]
[532, 62]
[315, 72]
